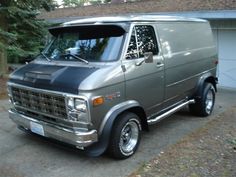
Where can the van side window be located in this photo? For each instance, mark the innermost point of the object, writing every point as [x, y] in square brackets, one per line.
[146, 42]
[132, 52]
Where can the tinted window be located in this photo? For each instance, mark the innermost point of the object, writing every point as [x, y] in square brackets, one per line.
[142, 40]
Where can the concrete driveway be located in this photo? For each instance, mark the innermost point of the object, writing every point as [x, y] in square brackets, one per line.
[27, 155]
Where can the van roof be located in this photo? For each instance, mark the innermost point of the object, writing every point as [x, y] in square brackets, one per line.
[130, 18]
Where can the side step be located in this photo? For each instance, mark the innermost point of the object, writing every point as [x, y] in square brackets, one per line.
[171, 111]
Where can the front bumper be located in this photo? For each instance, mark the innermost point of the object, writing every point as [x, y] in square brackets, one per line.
[78, 138]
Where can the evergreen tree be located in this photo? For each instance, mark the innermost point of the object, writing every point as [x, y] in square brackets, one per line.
[21, 32]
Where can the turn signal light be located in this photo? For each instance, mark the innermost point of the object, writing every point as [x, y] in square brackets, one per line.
[98, 101]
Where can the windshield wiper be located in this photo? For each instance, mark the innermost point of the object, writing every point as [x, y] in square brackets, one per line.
[45, 56]
[78, 58]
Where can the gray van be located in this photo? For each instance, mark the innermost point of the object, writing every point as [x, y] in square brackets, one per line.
[102, 80]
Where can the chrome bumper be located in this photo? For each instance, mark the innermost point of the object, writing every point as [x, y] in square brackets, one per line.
[78, 138]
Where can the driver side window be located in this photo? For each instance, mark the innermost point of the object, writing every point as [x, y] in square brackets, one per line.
[143, 39]
[132, 52]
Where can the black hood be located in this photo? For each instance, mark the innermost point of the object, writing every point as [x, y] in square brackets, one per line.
[57, 78]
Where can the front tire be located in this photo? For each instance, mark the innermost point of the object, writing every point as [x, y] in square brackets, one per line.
[125, 136]
[205, 104]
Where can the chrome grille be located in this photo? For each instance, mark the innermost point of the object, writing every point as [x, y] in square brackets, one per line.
[46, 104]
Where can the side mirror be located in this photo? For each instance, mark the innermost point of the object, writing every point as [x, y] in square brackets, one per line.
[148, 57]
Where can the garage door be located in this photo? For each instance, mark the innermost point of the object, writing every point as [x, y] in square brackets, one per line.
[226, 40]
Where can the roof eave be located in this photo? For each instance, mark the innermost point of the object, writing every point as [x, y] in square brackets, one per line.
[210, 15]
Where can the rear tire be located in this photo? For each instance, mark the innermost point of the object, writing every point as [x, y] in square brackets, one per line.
[205, 104]
[125, 137]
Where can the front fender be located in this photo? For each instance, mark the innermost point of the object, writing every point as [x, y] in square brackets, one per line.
[106, 127]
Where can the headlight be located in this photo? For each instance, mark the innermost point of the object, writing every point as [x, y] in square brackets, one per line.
[80, 105]
[70, 103]
[77, 110]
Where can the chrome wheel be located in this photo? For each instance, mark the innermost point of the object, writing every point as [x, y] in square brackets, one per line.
[129, 137]
[209, 101]
[125, 137]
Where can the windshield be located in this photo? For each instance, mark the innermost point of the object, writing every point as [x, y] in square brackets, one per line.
[91, 43]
